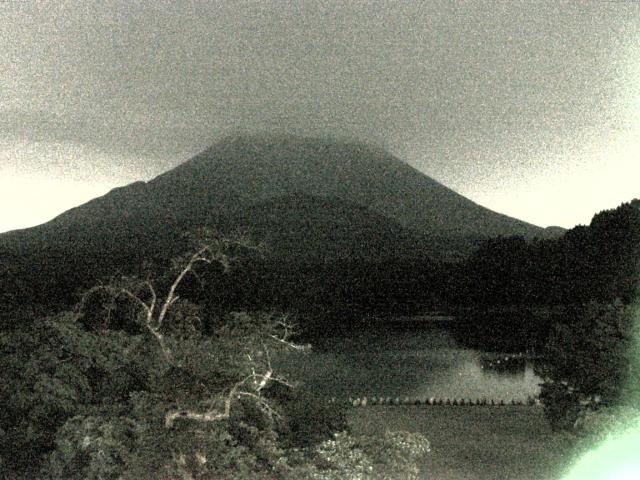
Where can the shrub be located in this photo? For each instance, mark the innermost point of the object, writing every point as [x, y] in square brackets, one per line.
[589, 355]
[392, 456]
[307, 418]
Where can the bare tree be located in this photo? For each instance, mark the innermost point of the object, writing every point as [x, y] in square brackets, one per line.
[153, 311]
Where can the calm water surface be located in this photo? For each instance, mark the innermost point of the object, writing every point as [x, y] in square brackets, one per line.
[414, 363]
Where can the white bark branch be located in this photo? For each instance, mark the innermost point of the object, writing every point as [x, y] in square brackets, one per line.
[208, 416]
[295, 346]
[252, 386]
[265, 379]
[215, 415]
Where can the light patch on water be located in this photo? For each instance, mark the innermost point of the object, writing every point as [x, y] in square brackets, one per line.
[413, 364]
[467, 379]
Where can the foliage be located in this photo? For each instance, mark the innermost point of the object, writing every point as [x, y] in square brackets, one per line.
[91, 448]
[138, 447]
[598, 262]
[501, 268]
[589, 356]
[307, 419]
[55, 369]
[387, 457]
[210, 390]
[133, 385]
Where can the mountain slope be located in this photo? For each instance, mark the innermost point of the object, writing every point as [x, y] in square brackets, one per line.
[303, 226]
[245, 170]
[309, 198]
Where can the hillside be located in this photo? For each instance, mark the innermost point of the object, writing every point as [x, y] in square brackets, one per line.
[308, 198]
[256, 168]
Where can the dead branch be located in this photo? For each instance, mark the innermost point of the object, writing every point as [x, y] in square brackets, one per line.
[154, 321]
[260, 381]
[208, 416]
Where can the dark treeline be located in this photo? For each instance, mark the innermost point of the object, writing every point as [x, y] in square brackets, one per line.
[512, 291]
[329, 298]
[596, 262]
[506, 294]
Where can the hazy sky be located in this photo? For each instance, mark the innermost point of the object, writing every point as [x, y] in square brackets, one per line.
[529, 108]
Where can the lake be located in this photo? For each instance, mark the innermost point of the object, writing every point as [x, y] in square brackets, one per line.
[417, 362]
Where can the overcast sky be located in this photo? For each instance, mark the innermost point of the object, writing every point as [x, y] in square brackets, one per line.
[529, 108]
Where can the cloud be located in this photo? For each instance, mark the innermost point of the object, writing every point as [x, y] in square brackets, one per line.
[476, 95]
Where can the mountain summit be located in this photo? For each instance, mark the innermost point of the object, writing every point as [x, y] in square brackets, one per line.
[245, 170]
[242, 171]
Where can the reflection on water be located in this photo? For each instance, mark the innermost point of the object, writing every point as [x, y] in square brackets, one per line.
[418, 363]
[504, 363]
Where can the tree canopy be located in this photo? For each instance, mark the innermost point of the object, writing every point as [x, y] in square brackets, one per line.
[130, 384]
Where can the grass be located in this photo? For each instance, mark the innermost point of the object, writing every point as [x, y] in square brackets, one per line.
[476, 443]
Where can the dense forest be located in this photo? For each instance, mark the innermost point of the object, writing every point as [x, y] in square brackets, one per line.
[510, 285]
[135, 381]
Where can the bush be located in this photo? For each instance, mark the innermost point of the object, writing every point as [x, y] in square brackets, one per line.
[590, 355]
[307, 418]
[90, 448]
[392, 456]
[54, 370]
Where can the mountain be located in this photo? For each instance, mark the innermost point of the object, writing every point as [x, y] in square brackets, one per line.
[312, 199]
[255, 169]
